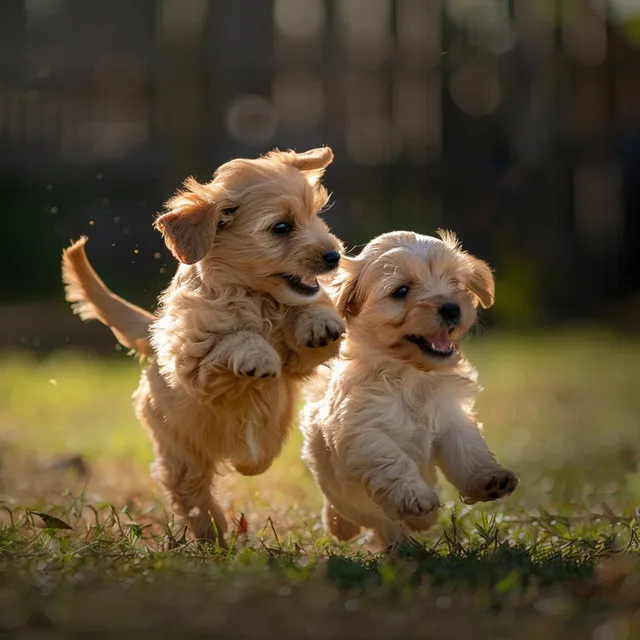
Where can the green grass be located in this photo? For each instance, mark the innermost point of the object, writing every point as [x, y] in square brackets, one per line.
[557, 559]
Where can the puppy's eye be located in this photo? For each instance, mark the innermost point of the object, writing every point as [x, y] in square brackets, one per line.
[400, 292]
[230, 210]
[281, 228]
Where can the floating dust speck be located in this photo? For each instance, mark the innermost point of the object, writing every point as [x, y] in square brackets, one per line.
[49, 187]
[53, 382]
[105, 201]
[54, 209]
[136, 251]
[99, 176]
[116, 219]
[157, 255]
[92, 222]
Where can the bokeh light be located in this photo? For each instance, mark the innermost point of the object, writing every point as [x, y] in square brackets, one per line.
[475, 89]
[299, 20]
[298, 96]
[252, 119]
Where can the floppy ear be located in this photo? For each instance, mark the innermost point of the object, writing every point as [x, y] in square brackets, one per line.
[312, 163]
[345, 286]
[313, 160]
[190, 223]
[481, 282]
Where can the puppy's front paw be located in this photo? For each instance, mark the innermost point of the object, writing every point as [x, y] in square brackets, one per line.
[407, 499]
[490, 485]
[258, 364]
[319, 328]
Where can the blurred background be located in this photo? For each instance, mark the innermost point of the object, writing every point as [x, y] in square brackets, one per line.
[515, 123]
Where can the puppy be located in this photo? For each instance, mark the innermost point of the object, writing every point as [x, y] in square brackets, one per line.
[243, 321]
[398, 402]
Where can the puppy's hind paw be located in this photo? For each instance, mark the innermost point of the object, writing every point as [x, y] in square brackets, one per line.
[336, 524]
[490, 485]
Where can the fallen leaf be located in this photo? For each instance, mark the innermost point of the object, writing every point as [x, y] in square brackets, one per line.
[51, 522]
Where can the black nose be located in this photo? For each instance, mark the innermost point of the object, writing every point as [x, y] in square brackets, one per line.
[450, 313]
[331, 259]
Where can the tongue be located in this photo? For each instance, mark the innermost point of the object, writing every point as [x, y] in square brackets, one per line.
[441, 341]
[309, 282]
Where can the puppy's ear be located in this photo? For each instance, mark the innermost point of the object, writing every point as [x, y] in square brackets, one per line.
[313, 160]
[481, 282]
[313, 163]
[190, 223]
[345, 288]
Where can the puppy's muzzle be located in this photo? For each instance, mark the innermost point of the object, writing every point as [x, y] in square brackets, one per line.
[450, 313]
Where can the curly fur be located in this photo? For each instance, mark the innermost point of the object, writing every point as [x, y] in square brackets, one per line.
[233, 337]
[393, 412]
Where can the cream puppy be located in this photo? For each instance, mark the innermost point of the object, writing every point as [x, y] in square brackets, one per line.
[242, 324]
[398, 403]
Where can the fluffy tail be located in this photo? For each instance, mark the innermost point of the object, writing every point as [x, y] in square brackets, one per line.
[91, 300]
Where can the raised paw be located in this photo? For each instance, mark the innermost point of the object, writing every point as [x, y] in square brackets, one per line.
[490, 486]
[318, 329]
[259, 364]
[407, 499]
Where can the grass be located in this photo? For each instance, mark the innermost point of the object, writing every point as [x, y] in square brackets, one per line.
[558, 558]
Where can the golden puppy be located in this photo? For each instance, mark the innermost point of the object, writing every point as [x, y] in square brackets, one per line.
[399, 400]
[242, 323]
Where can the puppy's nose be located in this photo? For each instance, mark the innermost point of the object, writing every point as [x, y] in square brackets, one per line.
[331, 259]
[450, 313]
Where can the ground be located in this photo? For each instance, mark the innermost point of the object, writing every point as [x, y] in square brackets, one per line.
[557, 559]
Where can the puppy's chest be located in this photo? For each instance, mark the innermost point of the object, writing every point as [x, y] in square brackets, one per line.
[276, 335]
[418, 429]
[266, 317]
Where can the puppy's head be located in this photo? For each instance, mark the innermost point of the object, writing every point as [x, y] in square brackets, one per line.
[256, 223]
[412, 297]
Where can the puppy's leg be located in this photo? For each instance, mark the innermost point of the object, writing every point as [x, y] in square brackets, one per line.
[337, 525]
[266, 426]
[185, 477]
[390, 477]
[188, 486]
[463, 456]
[389, 533]
[245, 354]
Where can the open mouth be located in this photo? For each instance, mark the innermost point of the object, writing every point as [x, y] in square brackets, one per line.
[439, 345]
[302, 286]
